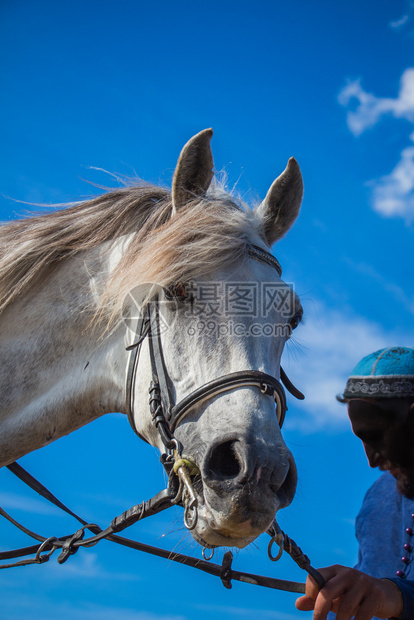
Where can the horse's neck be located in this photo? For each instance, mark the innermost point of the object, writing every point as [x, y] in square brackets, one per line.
[56, 373]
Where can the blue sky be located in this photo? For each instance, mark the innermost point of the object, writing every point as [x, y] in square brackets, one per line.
[122, 86]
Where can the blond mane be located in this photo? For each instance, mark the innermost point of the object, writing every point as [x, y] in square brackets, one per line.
[204, 236]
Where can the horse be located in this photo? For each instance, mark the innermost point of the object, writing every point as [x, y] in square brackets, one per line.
[174, 294]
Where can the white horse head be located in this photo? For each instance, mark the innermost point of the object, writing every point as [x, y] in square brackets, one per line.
[71, 282]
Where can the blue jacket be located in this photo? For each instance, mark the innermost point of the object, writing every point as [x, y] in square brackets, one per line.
[383, 526]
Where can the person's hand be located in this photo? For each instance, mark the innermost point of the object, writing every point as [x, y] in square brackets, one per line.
[349, 593]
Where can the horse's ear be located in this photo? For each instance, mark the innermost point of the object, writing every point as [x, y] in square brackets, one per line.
[281, 206]
[194, 170]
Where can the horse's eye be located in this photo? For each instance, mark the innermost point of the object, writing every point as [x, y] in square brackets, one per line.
[294, 322]
[177, 291]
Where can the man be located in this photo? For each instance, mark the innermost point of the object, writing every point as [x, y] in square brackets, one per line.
[380, 399]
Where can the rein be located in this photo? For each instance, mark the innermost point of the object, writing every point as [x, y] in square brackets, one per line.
[68, 545]
[166, 415]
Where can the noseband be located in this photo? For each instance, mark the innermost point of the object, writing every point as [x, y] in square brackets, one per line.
[166, 415]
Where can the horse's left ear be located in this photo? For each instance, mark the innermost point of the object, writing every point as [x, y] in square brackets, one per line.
[281, 206]
[194, 170]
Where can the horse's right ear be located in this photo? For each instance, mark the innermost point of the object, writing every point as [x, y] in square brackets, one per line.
[194, 170]
[281, 206]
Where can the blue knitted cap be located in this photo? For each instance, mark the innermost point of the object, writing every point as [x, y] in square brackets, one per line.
[387, 373]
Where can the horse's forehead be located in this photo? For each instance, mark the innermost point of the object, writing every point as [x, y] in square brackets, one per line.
[247, 309]
[261, 279]
[245, 268]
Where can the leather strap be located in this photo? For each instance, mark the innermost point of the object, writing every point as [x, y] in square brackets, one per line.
[159, 369]
[289, 385]
[135, 349]
[265, 257]
[243, 378]
[69, 544]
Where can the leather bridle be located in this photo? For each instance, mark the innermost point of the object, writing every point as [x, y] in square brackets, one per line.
[166, 414]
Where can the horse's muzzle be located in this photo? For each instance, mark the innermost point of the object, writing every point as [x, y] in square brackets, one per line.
[242, 489]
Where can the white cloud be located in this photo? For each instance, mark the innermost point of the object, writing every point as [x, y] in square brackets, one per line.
[403, 297]
[23, 607]
[392, 194]
[331, 344]
[398, 23]
[370, 108]
[87, 566]
[242, 612]
[12, 501]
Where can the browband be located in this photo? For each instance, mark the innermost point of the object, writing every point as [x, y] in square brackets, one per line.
[265, 257]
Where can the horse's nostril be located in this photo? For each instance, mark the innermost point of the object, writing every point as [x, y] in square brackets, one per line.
[223, 463]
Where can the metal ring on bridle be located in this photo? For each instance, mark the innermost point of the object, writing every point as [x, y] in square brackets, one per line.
[205, 556]
[43, 546]
[278, 539]
[184, 468]
[190, 515]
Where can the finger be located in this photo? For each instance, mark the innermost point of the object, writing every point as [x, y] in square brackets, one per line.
[338, 595]
[304, 603]
[325, 600]
[323, 605]
[307, 602]
[348, 606]
[368, 609]
[312, 588]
